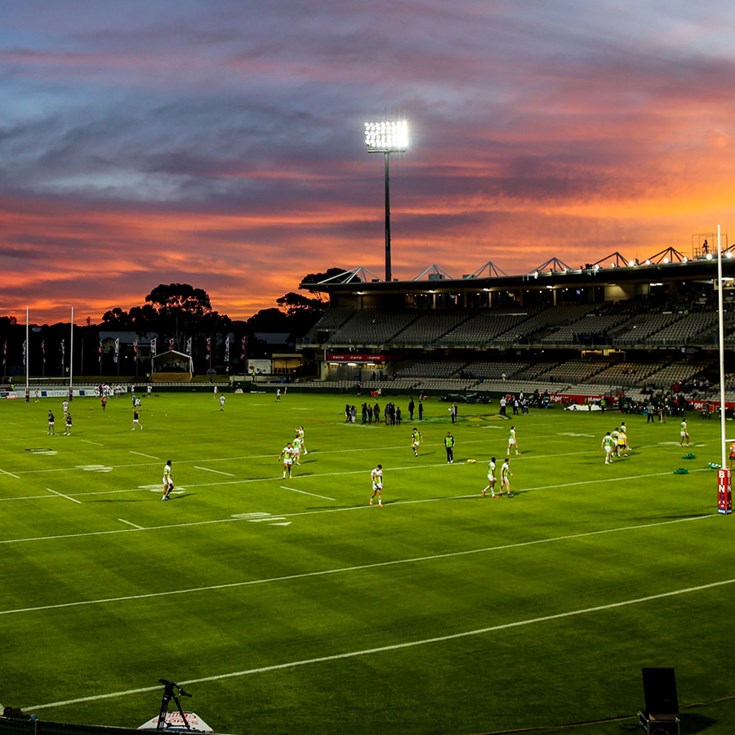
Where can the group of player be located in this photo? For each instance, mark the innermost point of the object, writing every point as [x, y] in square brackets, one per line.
[505, 473]
[615, 443]
[291, 454]
[67, 420]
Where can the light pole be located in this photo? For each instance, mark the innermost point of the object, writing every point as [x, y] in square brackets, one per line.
[387, 138]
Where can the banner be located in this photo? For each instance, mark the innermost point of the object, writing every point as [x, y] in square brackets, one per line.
[24, 352]
[5, 353]
[99, 351]
[188, 346]
[724, 491]
[117, 350]
[135, 349]
[243, 348]
[43, 351]
[227, 349]
[170, 344]
[153, 347]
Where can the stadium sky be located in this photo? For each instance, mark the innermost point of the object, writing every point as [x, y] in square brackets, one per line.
[220, 142]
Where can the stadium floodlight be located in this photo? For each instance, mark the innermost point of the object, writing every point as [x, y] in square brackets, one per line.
[386, 138]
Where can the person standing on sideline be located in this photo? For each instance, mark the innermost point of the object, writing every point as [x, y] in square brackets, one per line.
[286, 456]
[449, 446]
[512, 441]
[136, 420]
[376, 478]
[421, 410]
[411, 409]
[168, 481]
[505, 475]
[416, 440]
[683, 433]
[221, 401]
[51, 424]
[490, 478]
[608, 444]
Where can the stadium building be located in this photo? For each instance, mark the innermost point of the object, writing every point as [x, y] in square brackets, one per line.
[611, 330]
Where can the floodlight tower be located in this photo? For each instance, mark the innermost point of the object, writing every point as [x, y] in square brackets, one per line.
[387, 138]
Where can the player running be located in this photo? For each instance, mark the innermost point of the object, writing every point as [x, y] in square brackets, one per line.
[376, 478]
[416, 440]
[287, 457]
[608, 444]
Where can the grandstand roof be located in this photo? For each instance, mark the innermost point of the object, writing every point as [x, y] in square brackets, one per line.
[700, 268]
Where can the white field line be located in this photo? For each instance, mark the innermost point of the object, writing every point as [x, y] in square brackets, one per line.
[10, 474]
[231, 519]
[345, 570]
[303, 492]
[61, 495]
[91, 442]
[400, 646]
[250, 457]
[130, 523]
[219, 472]
[150, 456]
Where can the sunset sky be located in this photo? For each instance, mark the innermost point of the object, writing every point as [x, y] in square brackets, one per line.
[220, 142]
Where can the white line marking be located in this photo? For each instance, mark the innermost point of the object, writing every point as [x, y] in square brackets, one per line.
[344, 570]
[303, 492]
[134, 525]
[10, 474]
[219, 472]
[61, 495]
[91, 442]
[399, 646]
[150, 456]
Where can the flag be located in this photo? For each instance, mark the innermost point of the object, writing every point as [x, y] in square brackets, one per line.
[99, 351]
[153, 347]
[63, 352]
[117, 350]
[170, 343]
[135, 348]
[227, 349]
[43, 351]
[209, 345]
[24, 352]
[188, 346]
[5, 353]
[243, 348]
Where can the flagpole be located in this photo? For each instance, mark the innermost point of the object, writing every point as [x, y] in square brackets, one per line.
[71, 352]
[28, 360]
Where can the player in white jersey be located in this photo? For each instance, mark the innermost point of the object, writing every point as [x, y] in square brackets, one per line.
[376, 478]
[490, 478]
[296, 443]
[168, 480]
[286, 456]
[512, 441]
[608, 444]
[221, 401]
[300, 434]
[505, 475]
[683, 433]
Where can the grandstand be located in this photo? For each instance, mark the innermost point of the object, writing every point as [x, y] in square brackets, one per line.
[586, 332]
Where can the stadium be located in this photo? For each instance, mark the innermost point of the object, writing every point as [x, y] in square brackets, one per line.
[287, 604]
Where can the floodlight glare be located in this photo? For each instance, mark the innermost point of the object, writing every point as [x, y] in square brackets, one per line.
[386, 138]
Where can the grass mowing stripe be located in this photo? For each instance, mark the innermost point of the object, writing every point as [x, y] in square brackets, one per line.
[342, 570]
[401, 646]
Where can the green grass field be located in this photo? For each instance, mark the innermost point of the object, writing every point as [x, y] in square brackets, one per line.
[295, 607]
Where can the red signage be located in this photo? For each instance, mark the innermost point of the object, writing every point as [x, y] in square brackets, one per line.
[354, 357]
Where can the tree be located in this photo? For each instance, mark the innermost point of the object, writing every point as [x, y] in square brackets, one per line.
[180, 298]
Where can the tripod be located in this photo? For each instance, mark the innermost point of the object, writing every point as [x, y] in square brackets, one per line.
[168, 695]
